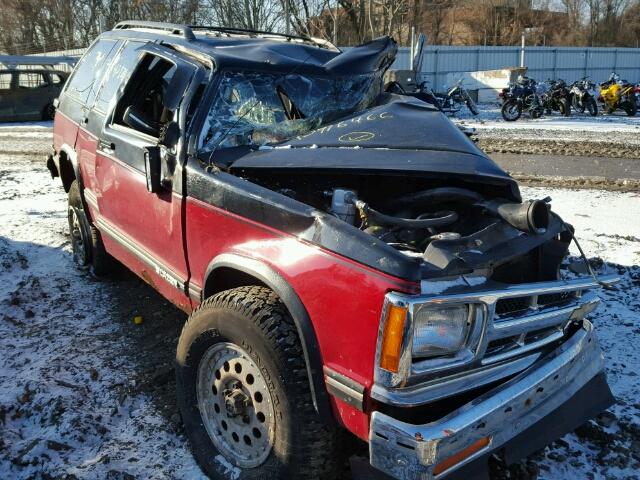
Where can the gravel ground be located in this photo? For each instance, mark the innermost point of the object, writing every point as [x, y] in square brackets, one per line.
[614, 136]
[86, 393]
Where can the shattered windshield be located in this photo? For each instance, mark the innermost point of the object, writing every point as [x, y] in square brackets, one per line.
[261, 108]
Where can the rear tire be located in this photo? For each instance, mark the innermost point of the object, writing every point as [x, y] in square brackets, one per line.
[86, 243]
[564, 107]
[241, 344]
[511, 110]
[49, 112]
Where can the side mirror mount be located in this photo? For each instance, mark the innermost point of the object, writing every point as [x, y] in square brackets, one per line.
[136, 119]
[153, 168]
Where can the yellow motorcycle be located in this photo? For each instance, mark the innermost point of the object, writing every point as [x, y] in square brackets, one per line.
[618, 94]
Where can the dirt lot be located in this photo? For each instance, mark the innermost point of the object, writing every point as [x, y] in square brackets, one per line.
[86, 393]
[612, 136]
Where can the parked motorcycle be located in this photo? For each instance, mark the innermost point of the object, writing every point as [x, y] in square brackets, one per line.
[581, 94]
[450, 102]
[555, 97]
[618, 94]
[454, 99]
[636, 91]
[522, 95]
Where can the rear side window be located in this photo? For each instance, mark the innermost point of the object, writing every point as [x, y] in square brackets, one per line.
[86, 77]
[31, 80]
[55, 78]
[5, 81]
[120, 72]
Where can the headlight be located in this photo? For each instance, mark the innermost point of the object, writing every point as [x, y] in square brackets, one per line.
[440, 330]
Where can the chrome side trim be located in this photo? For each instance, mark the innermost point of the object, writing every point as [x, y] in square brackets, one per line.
[406, 451]
[344, 388]
[91, 200]
[195, 292]
[163, 271]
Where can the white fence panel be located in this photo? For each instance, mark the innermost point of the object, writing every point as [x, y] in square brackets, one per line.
[568, 63]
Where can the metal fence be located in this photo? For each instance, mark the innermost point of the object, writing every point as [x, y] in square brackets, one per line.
[568, 63]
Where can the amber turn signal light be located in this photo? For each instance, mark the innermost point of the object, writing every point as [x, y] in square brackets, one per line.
[462, 455]
[392, 338]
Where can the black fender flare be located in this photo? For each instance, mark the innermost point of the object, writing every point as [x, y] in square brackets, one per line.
[273, 280]
[72, 158]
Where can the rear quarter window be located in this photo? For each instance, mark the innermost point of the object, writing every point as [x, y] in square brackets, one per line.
[86, 77]
[31, 80]
[121, 69]
[5, 81]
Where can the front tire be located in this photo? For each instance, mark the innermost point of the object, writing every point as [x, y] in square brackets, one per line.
[511, 110]
[244, 393]
[592, 106]
[564, 107]
[629, 107]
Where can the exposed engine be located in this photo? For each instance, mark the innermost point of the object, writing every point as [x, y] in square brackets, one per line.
[457, 229]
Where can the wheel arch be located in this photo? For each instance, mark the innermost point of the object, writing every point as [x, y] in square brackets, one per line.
[68, 167]
[231, 270]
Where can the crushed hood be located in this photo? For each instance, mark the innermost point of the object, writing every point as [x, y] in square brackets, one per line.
[401, 135]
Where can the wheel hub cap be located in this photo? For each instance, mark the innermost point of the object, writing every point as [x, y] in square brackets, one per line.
[235, 405]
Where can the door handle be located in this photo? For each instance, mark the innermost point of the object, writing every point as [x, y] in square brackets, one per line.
[107, 147]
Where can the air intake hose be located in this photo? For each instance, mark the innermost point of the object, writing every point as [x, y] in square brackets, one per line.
[531, 216]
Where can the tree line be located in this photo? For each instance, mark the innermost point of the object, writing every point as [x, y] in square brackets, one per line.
[33, 26]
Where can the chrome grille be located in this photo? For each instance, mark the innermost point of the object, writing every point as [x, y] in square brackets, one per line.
[523, 323]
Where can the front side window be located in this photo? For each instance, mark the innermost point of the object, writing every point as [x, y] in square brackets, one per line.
[31, 80]
[252, 108]
[86, 77]
[142, 106]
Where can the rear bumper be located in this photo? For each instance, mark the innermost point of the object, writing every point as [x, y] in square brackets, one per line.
[552, 397]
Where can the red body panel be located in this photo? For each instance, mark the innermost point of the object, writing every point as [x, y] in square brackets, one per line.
[65, 131]
[343, 299]
[86, 146]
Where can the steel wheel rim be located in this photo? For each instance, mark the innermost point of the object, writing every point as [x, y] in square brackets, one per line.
[235, 405]
[77, 238]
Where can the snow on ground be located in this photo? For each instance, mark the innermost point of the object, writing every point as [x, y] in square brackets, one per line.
[491, 118]
[85, 393]
[16, 126]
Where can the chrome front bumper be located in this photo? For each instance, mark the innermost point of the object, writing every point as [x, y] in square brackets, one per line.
[407, 451]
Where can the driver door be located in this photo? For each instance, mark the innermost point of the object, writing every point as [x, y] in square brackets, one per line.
[144, 230]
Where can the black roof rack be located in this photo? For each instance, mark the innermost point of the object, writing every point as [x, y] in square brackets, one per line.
[187, 31]
[247, 31]
[173, 28]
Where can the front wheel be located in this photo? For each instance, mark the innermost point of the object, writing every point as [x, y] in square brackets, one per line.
[472, 106]
[563, 106]
[244, 392]
[592, 106]
[630, 107]
[511, 110]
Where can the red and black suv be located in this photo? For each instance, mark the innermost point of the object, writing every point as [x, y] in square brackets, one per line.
[353, 265]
